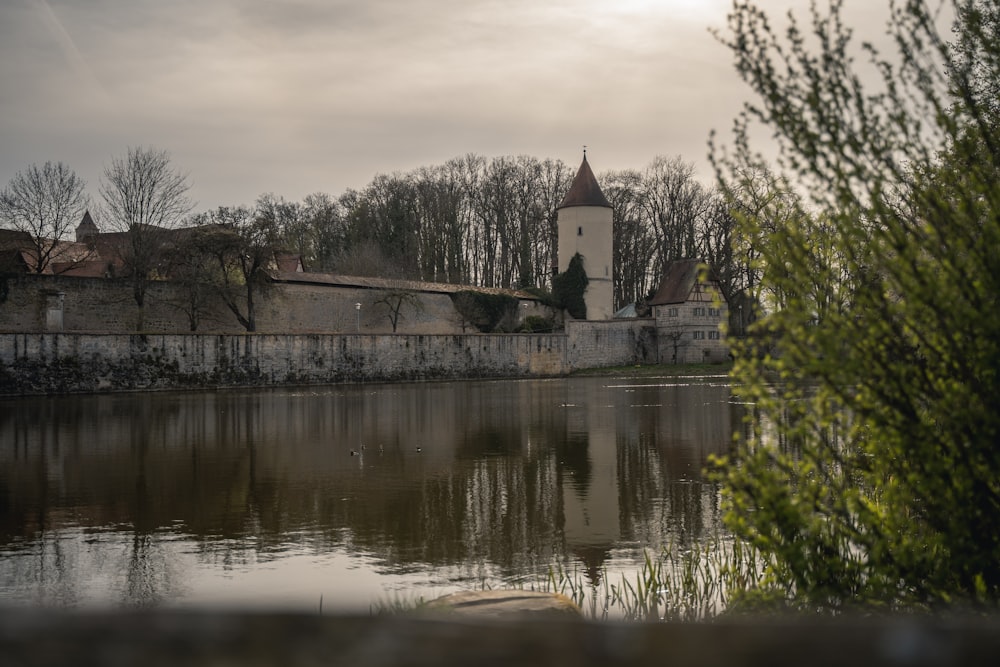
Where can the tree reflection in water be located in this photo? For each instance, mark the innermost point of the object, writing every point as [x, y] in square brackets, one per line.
[207, 498]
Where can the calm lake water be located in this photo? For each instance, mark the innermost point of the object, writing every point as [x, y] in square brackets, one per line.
[356, 495]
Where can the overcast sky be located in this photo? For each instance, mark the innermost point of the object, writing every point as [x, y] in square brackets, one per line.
[300, 96]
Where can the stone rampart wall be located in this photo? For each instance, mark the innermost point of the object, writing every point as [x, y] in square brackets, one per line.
[95, 304]
[107, 306]
[307, 335]
[593, 344]
[33, 363]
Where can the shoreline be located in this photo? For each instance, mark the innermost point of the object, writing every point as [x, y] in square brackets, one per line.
[656, 370]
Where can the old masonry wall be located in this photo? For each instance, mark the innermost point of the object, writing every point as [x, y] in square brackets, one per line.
[46, 363]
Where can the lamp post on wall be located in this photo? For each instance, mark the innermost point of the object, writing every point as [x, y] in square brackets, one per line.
[357, 307]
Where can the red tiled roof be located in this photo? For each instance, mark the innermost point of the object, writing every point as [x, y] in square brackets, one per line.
[24, 247]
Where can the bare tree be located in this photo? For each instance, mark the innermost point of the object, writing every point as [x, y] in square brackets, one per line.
[634, 240]
[386, 215]
[674, 203]
[286, 219]
[321, 215]
[365, 259]
[143, 197]
[717, 242]
[394, 298]
[191, 265]
[675, 334]
[439, 206]
[243, 243]
[44, 204]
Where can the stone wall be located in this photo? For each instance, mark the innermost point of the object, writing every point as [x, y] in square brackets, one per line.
[101, 305]
[320, 308]
[106, 305]
[593, 344]
[307, 335]
[68, 362]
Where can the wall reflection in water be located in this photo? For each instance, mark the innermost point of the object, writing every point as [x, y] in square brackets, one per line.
[162, 498]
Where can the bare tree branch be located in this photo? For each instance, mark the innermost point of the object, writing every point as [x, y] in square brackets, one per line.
[44, 204]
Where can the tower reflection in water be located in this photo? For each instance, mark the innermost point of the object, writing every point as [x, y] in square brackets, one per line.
[272, 498]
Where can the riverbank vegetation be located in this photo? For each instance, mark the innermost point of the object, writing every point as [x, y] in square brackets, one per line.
[675, 584]
[878, 487]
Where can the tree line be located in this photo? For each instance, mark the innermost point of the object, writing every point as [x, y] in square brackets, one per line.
[488, 222]
[491, 222]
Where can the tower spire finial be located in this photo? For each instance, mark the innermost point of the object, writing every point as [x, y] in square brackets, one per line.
[585, 151]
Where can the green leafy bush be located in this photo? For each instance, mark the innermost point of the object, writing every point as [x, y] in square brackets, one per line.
[870, 477]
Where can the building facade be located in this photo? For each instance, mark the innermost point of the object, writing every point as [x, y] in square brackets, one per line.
[690, 310]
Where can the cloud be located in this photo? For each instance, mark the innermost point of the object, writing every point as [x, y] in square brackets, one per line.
[302, 95]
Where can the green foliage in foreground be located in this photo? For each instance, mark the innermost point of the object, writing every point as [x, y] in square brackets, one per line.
[870, 478]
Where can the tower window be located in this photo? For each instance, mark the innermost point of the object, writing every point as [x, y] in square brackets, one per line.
[579, 231]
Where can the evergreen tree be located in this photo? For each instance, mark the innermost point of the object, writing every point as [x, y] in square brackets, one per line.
[568, 288]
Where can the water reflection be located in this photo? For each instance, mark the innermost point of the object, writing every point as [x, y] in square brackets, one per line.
[206, 498]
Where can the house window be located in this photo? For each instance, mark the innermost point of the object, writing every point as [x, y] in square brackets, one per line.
[713, 335]
[698, 335]
[699, 311]
[714, 312]
[579, 231]
[671, 312]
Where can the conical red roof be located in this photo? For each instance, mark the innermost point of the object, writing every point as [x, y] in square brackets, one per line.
[584, 191]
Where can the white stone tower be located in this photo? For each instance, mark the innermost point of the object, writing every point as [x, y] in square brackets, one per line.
[585, 223]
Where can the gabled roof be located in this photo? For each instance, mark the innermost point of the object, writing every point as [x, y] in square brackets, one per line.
[678, 281]
[584, 191]
[20, 252]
